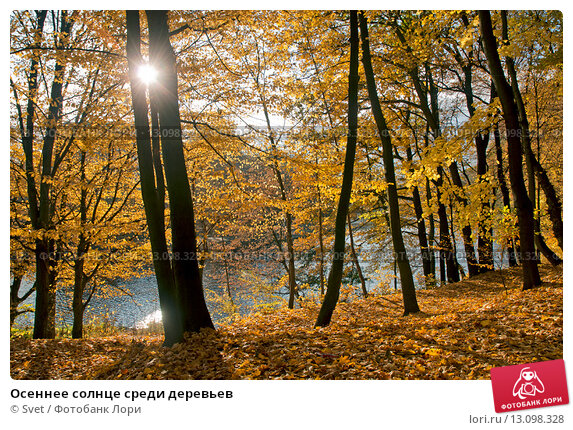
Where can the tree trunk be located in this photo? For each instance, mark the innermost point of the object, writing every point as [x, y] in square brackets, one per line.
[290, 258]
[291, 266]
[512, 261]
[524, 206]
[335, 276]
[195, 314]
[554, 207]
[321, 250]
[449, 273]
[473, 268]
[79, 263]
[546, 251]
[533, 166]
[355, 257]
[45, 313]
[320, 235]
[79, 287]
[485, 243]
[77, 302]
[431, 232]
[406, 278]
[152, 202]
[28, 135]
[421, 231]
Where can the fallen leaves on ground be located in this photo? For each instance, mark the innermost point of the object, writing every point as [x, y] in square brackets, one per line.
[464, 330]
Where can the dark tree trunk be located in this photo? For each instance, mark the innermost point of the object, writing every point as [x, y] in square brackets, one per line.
[291, 266]
[512, 261]
[335, 276]
[195, 314]
[79, 263]
[473, 268]
[77, 301]
[546, 251]
[28, 134]
[524, 206]
[80, 281]
[422, 239]
[449, 273]
[354, 256]
[321, 251]
[421, 231]
[554, 207]
[152, 197]
[406, 278]
[431, 232]
[320, 234]
[485, 243]
[45, 313]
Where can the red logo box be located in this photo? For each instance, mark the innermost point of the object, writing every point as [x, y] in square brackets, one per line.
[529, 386]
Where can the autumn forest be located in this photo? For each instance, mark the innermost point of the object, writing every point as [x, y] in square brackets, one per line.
[285, 194]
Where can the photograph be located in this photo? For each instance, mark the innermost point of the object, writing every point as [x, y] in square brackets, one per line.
[360, 196]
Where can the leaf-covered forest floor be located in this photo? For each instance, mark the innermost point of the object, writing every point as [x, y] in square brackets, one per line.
[464, 329]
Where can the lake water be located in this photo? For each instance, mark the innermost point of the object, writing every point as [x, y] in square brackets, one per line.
[140, 306]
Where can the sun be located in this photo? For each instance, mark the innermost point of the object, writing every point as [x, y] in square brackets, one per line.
[147, 73]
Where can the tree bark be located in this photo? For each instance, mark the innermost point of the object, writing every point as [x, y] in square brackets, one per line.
[77, 301]
[354, 256]
[485, 243]
[195, 314]
[406, 278]
[431, 232]
[152, 201]
[512, 261]
[45, 313]
[79, 262]
[28, 135]
[425, 250]
[321, 250]
[524, 206]
[291, 264]
[554, 207]
[448, 262]
[335, 276]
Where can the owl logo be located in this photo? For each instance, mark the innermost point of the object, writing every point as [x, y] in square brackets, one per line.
[528, 384]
